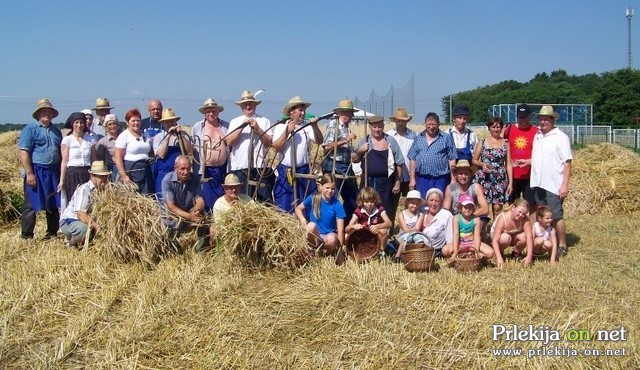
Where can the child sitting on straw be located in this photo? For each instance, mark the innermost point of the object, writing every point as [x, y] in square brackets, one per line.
[513, 228]
[371, 215]
[325, 227]
[466, 231]
[544, 235]
[410, 221]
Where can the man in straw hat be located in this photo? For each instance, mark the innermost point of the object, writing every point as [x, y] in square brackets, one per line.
[102, 108]
[76, 217]
[211, 151]
[292, 140]
[520, 136]
[182, 195]
[431, 157]
[250, 136]
[404, 136]
[384, 161]
[40, 157]
[550, 171]
[168, 144]
[338, 145]
[232, 194]
[464, 139]
[151, 126]
[463, 172]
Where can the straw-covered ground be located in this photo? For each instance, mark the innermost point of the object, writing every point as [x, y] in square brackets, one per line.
[64, 308]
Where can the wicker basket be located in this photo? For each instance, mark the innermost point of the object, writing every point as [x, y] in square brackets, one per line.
[418, 257]
[467, 262]
[362, 245]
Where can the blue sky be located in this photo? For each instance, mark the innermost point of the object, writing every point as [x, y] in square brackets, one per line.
[184, 52]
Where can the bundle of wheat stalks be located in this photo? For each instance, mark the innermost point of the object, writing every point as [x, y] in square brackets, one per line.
[604, 180]
[262, 236]
[130, 225]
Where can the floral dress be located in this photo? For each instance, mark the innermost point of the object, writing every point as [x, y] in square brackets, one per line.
[494, 182]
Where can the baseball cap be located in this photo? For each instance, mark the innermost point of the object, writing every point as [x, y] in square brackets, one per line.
[523, 110]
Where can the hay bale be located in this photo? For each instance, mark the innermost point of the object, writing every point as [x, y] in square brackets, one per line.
[262, 236]
[604, 180]
[131, 227]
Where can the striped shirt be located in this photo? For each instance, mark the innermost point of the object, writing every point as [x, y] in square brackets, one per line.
[432, 159]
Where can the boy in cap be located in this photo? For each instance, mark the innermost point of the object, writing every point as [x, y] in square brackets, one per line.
[464, 139]
[520, 137]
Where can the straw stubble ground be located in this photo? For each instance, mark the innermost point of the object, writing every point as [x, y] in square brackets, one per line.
[64, 308]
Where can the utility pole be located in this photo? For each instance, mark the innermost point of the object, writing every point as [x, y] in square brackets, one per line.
[629, 15]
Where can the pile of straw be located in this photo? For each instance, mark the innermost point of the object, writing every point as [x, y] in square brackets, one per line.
[604, 180]
[262, 236]
[130, 225]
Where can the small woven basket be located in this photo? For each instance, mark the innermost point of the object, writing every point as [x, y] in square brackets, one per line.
[362, 245]
[418, 257]
[467, 262]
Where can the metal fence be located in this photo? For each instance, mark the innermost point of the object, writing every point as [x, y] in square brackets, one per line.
[587, 134]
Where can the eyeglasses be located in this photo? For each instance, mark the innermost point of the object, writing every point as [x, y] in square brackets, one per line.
[144, 139]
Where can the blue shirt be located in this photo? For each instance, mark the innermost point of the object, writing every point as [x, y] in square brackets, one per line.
[150, 128]
[182, 195]
[41, 142]
[432, 159]
[329, 213]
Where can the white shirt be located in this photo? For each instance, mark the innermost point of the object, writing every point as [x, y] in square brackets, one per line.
[80, 201]
[404, 142]
[239, 156]
[302, 139]
[79, 153]
[136, 148]
[440, 230]
[460, 139]
[160, 137]
[550, 152]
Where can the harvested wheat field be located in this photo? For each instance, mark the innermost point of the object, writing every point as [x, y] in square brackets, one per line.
[64, 308]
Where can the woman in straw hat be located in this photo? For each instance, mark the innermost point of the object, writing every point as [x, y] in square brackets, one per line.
[76, 217]
[39, 147]
[293, 140]
[168, 144]
[134, 154]
[75, 150]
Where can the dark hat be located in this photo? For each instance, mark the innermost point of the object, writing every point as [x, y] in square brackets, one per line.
[375, 119]
[523, 111]
[75, 116]
[460, 110]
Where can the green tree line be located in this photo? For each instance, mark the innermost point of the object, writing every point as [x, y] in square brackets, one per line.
[615, 95]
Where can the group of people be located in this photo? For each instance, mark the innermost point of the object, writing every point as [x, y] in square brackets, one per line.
[249, 158]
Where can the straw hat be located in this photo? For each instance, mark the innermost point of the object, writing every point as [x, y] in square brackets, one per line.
[294, 102]
[210, 103]
[247, 96]
[463, 164]
[41, 104]
[231, 180]
[99, 168]
[168, 115]
[401, 115]
[547, 110]
[102, 103]
[345, 106]
[375, 119]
